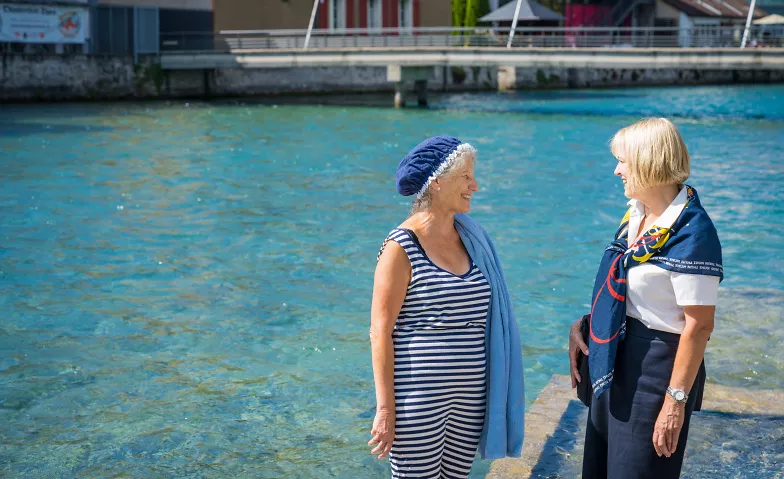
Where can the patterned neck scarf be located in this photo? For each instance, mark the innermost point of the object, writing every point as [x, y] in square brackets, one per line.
[690, 245]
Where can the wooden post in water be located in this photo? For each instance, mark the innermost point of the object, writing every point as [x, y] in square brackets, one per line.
[400, 94]
[421, 90]
[400, 75]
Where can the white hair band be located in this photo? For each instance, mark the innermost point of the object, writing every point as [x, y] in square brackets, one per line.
[449, 161]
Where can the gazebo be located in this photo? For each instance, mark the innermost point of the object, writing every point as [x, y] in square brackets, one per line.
[531, 14]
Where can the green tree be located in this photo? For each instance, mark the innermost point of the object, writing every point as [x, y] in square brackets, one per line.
[458, 12]
[470, 13]
[474, 10]
[484, 8]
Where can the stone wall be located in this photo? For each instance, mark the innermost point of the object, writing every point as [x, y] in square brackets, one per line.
[77, 77]
[81, 77]
[238, 82]
[589, 78]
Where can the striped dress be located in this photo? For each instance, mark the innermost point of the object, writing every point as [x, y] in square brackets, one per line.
[439, 343]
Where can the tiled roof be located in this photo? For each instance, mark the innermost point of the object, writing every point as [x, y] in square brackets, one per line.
[715, 8]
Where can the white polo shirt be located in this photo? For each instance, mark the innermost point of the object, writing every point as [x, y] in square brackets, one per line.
[655, 295]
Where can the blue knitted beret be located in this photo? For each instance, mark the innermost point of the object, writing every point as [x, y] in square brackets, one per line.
[426, 162]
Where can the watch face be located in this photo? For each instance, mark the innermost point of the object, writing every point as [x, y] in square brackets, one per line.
[679, 395]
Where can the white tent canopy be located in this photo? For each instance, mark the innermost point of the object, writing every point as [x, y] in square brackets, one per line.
[770, 20]
[529, 11]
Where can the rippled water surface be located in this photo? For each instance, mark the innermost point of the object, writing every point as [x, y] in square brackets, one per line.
[185, 288]
[720, 445]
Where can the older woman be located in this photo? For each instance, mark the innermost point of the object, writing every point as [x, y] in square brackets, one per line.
[652, 313]
[446, 353]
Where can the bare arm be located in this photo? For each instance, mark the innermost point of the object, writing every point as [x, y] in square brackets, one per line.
[393, 274]
[691, 350]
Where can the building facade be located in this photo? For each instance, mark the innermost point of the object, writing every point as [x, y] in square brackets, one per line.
[330, 15]
[110, 27]
[714, 23]
[660, 13]
[138, 27]
[772, 6]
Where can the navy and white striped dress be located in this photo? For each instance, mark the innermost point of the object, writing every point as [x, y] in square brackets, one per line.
[439, 343]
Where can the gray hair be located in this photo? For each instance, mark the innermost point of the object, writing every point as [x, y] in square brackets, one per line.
[461, 159]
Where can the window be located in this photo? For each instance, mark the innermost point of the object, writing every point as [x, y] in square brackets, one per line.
[374, 14]
[337, 14]
[406, 14]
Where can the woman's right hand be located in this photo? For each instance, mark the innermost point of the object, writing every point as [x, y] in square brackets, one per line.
[576, 344]
[383, 432]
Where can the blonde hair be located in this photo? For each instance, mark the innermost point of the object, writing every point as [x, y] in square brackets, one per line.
[422, 203]
[655, 152]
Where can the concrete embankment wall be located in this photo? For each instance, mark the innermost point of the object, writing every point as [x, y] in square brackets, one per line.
[79, 77]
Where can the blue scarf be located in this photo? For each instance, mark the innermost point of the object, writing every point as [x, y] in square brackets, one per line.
[502, 434]
[691, 245]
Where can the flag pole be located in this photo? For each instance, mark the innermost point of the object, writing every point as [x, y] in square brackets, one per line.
[310, 25]
[514, 24]
[748, 22]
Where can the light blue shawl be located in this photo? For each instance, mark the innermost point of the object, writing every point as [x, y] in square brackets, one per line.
[502, 434]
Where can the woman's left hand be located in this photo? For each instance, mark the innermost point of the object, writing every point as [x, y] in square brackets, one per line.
[383, 432]
[576, 344]
[668, 426]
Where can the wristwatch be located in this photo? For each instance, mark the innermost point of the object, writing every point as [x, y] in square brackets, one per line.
[679, 395]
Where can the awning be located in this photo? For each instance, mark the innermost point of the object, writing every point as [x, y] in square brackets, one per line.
[720, 9]
[770, 20]
[529, 11]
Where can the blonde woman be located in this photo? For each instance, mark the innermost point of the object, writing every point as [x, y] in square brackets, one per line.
[446, 354]
[652, 313]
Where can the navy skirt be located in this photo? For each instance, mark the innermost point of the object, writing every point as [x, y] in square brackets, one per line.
[618, 438]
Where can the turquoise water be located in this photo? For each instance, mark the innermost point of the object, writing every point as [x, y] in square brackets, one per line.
[185, 287]
[720, 444]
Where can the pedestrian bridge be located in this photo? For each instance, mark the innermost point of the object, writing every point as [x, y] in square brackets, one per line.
[414, 54]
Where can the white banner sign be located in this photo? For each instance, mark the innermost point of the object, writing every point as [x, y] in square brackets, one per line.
[21, 23]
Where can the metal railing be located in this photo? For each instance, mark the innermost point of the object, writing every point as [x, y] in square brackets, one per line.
[446, 37]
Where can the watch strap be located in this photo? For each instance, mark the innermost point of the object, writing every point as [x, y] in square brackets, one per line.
[674, 394]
